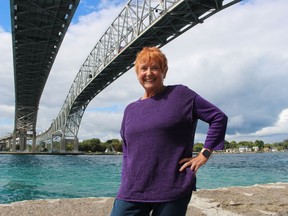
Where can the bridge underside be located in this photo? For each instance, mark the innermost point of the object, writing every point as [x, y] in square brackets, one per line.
[38, 28]
[183, 17]
[164, 24]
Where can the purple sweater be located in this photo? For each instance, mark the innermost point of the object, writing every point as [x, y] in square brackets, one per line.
[157, 132]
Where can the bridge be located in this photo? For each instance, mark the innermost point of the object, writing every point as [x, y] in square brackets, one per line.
[38, 28]
[38, 31]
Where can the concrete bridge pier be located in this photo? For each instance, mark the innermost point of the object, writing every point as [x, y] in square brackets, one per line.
[76, 145]
[34, 142]
[63, 145]
[9, 143]
[22, 140]
[14, 142]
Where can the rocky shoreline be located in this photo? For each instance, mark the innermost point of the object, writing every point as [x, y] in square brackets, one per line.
[256, 200]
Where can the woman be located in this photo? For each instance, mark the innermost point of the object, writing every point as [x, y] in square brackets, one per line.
[158, 171]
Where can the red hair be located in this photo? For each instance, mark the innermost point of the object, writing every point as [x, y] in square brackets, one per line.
[151, 54]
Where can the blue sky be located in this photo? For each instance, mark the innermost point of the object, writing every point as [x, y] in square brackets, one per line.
[85, 7]
[237, 59]
[5, 15]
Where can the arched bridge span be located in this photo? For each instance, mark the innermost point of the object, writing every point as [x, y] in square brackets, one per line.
[140, 23]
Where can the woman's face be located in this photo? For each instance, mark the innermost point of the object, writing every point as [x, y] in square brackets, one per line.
[150, 76]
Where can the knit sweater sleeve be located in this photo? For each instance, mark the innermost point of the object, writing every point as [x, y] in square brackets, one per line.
[122, 132]
[216, 119]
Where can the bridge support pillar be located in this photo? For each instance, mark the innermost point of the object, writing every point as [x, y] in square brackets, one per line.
[63, 145]
[9, 144]
[34, 142]
[22, 140]
[76, 145]
[14, 142]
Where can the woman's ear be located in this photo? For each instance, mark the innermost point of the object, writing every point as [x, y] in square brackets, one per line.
[164, 74]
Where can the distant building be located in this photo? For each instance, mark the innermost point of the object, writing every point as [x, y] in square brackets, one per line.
[232, 150]
[244, 149]
[255, 148]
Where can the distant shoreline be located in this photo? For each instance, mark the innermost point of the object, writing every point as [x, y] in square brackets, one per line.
[120, 153]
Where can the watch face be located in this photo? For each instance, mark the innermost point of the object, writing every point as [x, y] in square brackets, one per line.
[206, 153]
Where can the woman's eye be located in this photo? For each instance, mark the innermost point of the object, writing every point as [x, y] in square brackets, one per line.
[154, 68]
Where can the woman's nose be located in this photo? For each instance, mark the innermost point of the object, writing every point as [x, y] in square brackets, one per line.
[148, 71]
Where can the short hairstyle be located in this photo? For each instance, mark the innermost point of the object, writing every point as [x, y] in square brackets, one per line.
[151, 54]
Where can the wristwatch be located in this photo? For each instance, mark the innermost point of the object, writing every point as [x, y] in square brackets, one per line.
[206, 153]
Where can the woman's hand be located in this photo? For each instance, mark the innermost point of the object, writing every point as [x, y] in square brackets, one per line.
[194, 162]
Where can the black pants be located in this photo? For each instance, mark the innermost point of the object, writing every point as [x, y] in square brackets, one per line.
[174, 208]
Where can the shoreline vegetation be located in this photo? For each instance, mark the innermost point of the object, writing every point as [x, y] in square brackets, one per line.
[120, 153]
[264, 199]
[114, 146]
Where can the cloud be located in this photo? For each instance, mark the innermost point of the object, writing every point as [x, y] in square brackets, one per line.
[7, 106]
[80, 39]
[280, 127]
[104, 125]
[237, 59]
[236, 121]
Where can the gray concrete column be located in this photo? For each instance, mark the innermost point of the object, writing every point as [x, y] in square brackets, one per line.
[34, 142]
[63, 145]
[76, 145]
[14, 141]
[22, 140]
[52, 146]
[9, 143]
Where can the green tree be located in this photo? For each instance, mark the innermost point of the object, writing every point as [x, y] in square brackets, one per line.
[117, 145]
[260, 144]
[246, 143]
[69, 147]
[197, 147]
[84, 146]
[96, 145]
[233, 144]
[268, 146]
[227, 145]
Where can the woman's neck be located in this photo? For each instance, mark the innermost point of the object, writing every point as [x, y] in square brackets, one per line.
[152, 94]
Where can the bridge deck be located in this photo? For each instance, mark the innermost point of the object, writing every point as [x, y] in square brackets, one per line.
[38, 28]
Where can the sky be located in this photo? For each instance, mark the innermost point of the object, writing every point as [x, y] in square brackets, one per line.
[237, 59]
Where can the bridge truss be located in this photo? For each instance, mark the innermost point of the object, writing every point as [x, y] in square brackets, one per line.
[140, 23]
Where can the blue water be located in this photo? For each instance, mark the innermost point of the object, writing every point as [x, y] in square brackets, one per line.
[29, 177]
